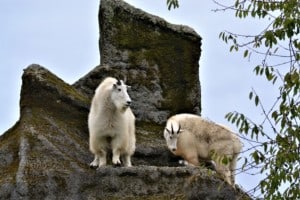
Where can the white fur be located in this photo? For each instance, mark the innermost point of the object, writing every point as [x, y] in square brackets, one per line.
[194, 138]
[111, 123]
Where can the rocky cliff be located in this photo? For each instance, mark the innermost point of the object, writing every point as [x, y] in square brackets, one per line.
[159, 60]
[45, 155]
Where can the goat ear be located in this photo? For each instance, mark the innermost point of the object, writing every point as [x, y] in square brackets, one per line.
[114, 86]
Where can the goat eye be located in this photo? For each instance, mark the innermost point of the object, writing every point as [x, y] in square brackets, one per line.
[119, 90]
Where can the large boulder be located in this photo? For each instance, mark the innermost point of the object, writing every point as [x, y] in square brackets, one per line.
[45, 155]
[160, 61]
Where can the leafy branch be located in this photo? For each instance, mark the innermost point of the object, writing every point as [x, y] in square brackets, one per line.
[275, 141]
[279, 153]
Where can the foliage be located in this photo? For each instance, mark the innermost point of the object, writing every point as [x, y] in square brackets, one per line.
[278, 134]
[276, 140]
[173, 3]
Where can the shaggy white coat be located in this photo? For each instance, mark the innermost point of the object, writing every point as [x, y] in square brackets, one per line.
[194, 139]
[111, 124]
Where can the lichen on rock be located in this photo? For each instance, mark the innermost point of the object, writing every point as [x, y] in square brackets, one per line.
[160, 61]
[45, 155]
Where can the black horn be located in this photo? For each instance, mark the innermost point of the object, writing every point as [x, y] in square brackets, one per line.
[168, 130]
[179, 129]
[118, 81]
[172, 129]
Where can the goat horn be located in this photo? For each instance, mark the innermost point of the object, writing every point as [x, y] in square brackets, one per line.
[118, 81]
[179, 128]
[172, 128]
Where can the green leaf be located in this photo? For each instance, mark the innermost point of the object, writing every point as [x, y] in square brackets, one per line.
[275, 115]
[265, 146]
[245, 163]
[253, 13]
[297, 56]
[256, 100]
[173, 3]
[257, 69]
[225, 160]
[255, 157]
[268, 74]
[250, 95]
[245, 53]
[295, 77]
[237, 2]
[270, 38]
[261, 71]
[221, 35]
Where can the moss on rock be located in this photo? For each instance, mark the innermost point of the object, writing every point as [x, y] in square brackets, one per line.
[46, 154]
[159, 59]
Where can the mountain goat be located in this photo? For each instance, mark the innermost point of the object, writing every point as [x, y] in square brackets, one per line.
[111, 123]
[194, 138]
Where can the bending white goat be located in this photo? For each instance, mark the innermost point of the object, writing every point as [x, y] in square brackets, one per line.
[194, 138]
[111, 123]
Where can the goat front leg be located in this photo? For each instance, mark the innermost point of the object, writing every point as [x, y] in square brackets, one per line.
[116, 157]
[95, 162]
[191, 160]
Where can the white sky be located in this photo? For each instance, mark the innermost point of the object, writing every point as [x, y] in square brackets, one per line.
[63, 37]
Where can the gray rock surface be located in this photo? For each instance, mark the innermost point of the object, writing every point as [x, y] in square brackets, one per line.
[45, 155]
[160, 61]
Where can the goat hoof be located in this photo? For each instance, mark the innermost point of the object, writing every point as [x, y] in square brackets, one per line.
[93, 167]
[118, 164]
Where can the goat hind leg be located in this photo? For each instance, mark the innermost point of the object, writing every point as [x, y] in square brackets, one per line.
[116, 145]
[98, 147]
[224, 172]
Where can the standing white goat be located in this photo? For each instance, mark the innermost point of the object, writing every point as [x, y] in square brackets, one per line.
[194, 138]
[111, 123]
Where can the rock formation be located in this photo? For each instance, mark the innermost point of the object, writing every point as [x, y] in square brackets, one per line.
[45, 155]
[159, 60]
